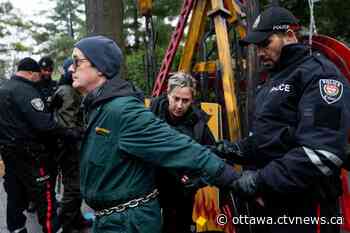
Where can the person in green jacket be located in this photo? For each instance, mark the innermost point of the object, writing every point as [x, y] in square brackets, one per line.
[125, 142]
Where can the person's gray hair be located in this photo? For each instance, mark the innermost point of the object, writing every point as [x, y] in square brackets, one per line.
[181, 79]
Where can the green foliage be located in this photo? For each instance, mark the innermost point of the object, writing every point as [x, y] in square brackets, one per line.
[66, 25]
[330, 16]
[164, 11]
[135, 64]
[19, 47]
[13, 32]
[67, 16]
[63, 46]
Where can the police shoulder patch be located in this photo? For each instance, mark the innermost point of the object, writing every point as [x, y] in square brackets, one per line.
[331, 90]
[38, 104]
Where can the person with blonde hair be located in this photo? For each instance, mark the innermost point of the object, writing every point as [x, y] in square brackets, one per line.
[178, 110]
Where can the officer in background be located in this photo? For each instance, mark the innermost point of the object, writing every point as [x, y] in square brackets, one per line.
[69, 115]
[47, 85]
[300, 130]
[25, 128]
[177, 109]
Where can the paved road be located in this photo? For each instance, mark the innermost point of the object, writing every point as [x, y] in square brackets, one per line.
[32, 223]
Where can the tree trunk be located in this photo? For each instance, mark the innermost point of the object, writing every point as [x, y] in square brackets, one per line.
[252, 65]
[105, 17]
[135, 26]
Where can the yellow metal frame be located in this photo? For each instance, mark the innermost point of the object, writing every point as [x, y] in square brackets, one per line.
[145, 7]
[216, 9]
[207, 199]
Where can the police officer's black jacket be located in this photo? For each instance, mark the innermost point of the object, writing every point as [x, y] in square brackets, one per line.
[23, 116]
[300, 128]
[47, 87]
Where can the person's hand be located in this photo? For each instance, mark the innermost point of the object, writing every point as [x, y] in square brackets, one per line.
[247, 185]
[2, 168]
[226, 147]
[231, 152]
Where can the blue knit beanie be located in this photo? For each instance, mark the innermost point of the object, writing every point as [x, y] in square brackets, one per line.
[103, 53]
[67, 75]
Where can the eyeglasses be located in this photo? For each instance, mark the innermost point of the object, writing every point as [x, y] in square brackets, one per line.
[77, 62]
[264, 43]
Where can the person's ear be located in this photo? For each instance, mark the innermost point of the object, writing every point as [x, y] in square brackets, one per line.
[291, 37]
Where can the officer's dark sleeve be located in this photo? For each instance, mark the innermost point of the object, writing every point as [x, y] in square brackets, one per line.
[321, 138]
[36, 114]
[145, 136]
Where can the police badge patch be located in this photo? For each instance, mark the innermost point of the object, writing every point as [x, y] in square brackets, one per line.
[331, 90]
[38, 104]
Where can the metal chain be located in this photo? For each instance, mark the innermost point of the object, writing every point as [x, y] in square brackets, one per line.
[130, 204]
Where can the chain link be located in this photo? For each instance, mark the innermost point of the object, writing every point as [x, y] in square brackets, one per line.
[130, 204]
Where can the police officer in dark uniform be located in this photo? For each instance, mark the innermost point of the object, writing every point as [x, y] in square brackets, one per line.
[178, 110]
[47, 85]
[299, 134]
[25, 125]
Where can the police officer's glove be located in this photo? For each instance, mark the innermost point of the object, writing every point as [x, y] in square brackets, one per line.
[225, 177]
[247, 185]
[231, 152]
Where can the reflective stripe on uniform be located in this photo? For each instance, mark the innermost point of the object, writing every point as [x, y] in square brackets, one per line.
[49, 203]
[18, 230]
[331, 157]
[317, 161]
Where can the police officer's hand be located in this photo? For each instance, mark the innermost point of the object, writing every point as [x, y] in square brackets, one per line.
[247, 185]
[2, 168]
[230, 152]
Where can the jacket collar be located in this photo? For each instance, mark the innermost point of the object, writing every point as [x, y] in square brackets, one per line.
[111, 89]
[22, 79]
[290, 54]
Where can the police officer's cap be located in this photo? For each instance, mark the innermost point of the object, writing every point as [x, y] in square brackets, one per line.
[272, 20]
[46, 63]
[28, 64]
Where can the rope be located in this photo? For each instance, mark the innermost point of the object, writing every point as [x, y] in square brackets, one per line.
[312, 26]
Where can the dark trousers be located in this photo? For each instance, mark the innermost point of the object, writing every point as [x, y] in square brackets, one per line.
[25, 179]
[71, 217]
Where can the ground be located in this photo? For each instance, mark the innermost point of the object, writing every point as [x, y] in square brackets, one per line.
[32, 223]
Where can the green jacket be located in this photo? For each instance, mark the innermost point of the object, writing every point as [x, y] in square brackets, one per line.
[68, 115]
[124, 143]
